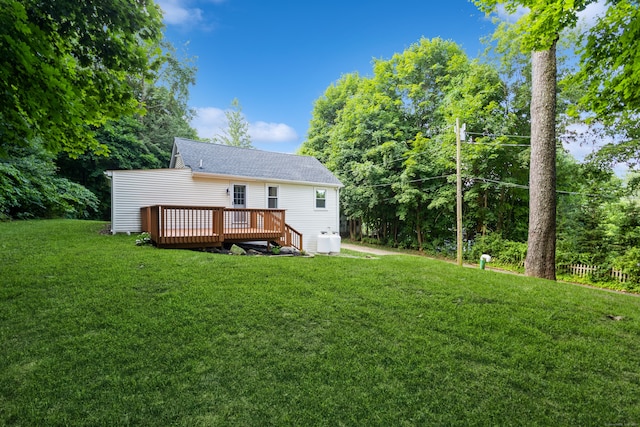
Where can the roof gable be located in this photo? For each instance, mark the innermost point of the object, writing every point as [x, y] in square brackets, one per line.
[204, 157]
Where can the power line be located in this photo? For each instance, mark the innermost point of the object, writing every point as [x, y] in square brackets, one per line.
[496, 144]
[410, 182]
[526, 187]
[504, 184]
[488, 181]
[491, 135]
[495, 135]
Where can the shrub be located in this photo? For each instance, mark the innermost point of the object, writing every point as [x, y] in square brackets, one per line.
[630, 264]
[30, 188]
[502, 251]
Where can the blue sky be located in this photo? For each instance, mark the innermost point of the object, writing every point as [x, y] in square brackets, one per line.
[277, 57]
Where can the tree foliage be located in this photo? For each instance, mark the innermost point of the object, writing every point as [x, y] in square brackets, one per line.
[609, 78]
[610, 62]
[67, 68]
[541, 22]
[165, 96]
[31, 188]
[390, 139]
[140, 141]
[537, 31]
[237, 131]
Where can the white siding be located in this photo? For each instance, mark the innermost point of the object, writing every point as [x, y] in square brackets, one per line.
[299, 202]
[133, 189]
[255, 194]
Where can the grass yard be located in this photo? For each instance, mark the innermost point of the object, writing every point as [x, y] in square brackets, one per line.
[97, 331]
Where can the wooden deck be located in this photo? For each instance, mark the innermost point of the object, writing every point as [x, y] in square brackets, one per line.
[202, 227]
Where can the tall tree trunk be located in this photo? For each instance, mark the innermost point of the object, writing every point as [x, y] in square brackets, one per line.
[500, 224]
[418, 229]
[541, 253]
[481, 215]
[395, 232]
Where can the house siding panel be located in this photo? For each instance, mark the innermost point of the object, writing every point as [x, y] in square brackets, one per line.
[299, 202]
[133, 189]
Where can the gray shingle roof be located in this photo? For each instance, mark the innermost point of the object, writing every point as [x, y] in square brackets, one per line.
[250, 163]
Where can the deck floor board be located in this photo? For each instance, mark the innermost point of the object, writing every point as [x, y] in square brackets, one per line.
[228, 232]
[201, 226]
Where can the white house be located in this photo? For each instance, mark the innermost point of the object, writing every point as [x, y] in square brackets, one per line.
[212, 175]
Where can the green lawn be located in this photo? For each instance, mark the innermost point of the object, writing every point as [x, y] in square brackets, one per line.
[97, 331]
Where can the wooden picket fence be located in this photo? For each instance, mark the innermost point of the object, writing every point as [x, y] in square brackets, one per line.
[582, 270]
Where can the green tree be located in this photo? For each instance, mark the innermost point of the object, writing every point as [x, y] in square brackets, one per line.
[237, 131]
[31, 188]
[609, 62]
[609, 83]
[365, 146]
[126, 151]
[67, 68]
[588, 193]
[539, 31]
[389, 138]
[165, 96]
[326, 111]
[139, 141]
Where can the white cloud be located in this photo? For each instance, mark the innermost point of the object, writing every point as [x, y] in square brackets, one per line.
[587, 17]
[592, 12]
[177, 12]
[211, 121]
[504, 15]
[272, 132]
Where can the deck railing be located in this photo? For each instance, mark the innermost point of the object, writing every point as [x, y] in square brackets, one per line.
[248, 223]
[292, 237]
[199, 226]
[183, 225]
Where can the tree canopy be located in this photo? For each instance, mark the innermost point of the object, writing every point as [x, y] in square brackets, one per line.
[237, 131]
[610, 62]
[67, 66]
[140, 141]
[537, 31]
[609, 76]
[390, 139]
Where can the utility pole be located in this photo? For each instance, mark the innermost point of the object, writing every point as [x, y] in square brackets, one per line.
[459, 137]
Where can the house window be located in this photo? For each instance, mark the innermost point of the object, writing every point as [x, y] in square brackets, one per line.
[321, 198]
[272, 197]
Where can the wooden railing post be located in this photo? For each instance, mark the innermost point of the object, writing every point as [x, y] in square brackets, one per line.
[220, 228]
[144, 218]
[253, 221]
[202, 226]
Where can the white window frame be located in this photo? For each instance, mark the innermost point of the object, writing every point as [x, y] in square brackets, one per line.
[315, 198]
[269, 197]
